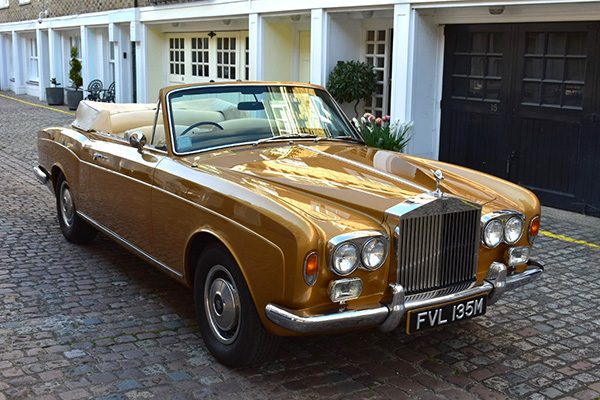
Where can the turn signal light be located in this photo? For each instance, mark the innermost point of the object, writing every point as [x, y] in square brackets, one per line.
[311, 268]
[534, 229]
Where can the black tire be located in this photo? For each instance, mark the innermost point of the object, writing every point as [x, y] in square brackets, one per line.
[229, 324]
[73, 228]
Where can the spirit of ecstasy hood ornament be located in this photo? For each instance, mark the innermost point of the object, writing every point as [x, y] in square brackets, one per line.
[439, 177]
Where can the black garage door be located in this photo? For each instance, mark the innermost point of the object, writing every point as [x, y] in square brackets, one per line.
[522, 102]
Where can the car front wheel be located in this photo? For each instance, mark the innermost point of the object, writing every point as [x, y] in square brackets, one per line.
[229, 323]
[73, 228]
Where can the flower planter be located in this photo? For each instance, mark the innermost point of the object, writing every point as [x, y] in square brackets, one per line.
[55, 96]
[73, 98]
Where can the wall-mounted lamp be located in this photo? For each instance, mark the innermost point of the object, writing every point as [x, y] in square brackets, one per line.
[295, 17]
[496, 10]
[367, 14]
[227, 22]
[211, 34]
[43, 14]
[174, 24]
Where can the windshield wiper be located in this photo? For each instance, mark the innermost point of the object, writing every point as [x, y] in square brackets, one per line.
[341, 138]
[285, 137]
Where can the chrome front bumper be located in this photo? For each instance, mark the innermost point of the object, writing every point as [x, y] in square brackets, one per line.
[389, 316]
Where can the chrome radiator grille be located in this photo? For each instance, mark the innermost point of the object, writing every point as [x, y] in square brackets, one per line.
[437, 250]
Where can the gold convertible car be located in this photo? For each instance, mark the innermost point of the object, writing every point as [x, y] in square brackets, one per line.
[264, 199]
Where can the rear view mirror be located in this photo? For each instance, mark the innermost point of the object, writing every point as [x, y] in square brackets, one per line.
[251, 106]
[138, 140]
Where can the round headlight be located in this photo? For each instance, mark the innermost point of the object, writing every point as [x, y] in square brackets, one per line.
[345, 259]
[373, 253]
[493, 233]
[513, 230]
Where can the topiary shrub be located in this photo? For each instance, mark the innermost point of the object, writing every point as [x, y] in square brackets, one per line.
[352, 81]
[75, 71]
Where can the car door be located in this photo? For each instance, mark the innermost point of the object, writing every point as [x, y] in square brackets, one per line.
[119, 183]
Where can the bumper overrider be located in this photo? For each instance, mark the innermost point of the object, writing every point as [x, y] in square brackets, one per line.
[389, 316]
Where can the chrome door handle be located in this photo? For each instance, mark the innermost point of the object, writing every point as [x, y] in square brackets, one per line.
[98, 156]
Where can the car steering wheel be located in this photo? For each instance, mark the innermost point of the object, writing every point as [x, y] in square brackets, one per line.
[189, 128]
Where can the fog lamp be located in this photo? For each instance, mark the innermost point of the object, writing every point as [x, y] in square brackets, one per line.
[517, 256]
[345, 289]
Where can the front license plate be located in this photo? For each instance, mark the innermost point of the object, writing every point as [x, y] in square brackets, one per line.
[432, 317]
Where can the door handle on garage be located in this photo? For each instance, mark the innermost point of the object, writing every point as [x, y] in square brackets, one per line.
[98, 156]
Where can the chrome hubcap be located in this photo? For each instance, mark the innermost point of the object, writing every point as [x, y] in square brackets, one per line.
[222, 304]
[67, 208]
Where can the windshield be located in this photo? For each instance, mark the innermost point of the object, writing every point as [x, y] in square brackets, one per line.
[217, 116]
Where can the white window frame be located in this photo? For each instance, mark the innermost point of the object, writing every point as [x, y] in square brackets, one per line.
[188, 63]
[112, 53]
[4, 3]
[23, 2]
[383, 85]
[33, 60]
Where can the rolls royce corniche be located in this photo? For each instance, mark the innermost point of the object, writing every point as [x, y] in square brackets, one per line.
[263, 199]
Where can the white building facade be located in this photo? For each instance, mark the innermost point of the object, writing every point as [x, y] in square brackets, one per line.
[417, 60]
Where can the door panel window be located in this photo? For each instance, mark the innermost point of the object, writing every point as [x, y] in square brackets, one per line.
[478, 66]
[554, 70]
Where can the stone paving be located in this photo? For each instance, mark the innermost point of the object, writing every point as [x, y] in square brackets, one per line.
[95, 322]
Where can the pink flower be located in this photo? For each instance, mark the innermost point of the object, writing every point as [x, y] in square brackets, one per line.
[371, 118]
[379, 121]
[386, 118]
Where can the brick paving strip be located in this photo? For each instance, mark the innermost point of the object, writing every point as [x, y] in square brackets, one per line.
[95, 322]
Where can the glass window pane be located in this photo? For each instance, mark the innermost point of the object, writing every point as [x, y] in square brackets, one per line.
[478, 66]
[476, 88]
[556, 43]
[575, 70]
[492, 89]
[494, 66]
[381, 35]
[535, 43]
[459, 87]
[574, 95]
[531, 92]
[462, 40]
[577, 43]
[551, 93]
[534, 68]
[370, 35]
[554, 69]
[380, 62]
[461, 65]
[478, 42]
[381, 48]
[496, 40]
[370, 48]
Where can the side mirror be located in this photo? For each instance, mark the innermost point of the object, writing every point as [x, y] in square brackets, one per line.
[138, 140]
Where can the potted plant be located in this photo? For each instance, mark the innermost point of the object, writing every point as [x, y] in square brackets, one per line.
[352, 81]
[74, 95]
[382, 134]
[54, 94]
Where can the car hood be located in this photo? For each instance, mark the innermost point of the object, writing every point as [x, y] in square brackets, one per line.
[356, 177]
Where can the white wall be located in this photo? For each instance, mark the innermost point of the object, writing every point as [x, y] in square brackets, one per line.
[277, 52]
[425, 96]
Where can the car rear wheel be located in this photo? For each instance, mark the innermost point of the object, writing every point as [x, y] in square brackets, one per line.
[229, 323]
[73, 228]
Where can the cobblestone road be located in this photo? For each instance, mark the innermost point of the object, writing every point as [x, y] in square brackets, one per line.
[96, 322]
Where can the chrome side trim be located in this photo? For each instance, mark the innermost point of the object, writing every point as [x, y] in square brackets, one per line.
[389, 316]
[139, 252]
